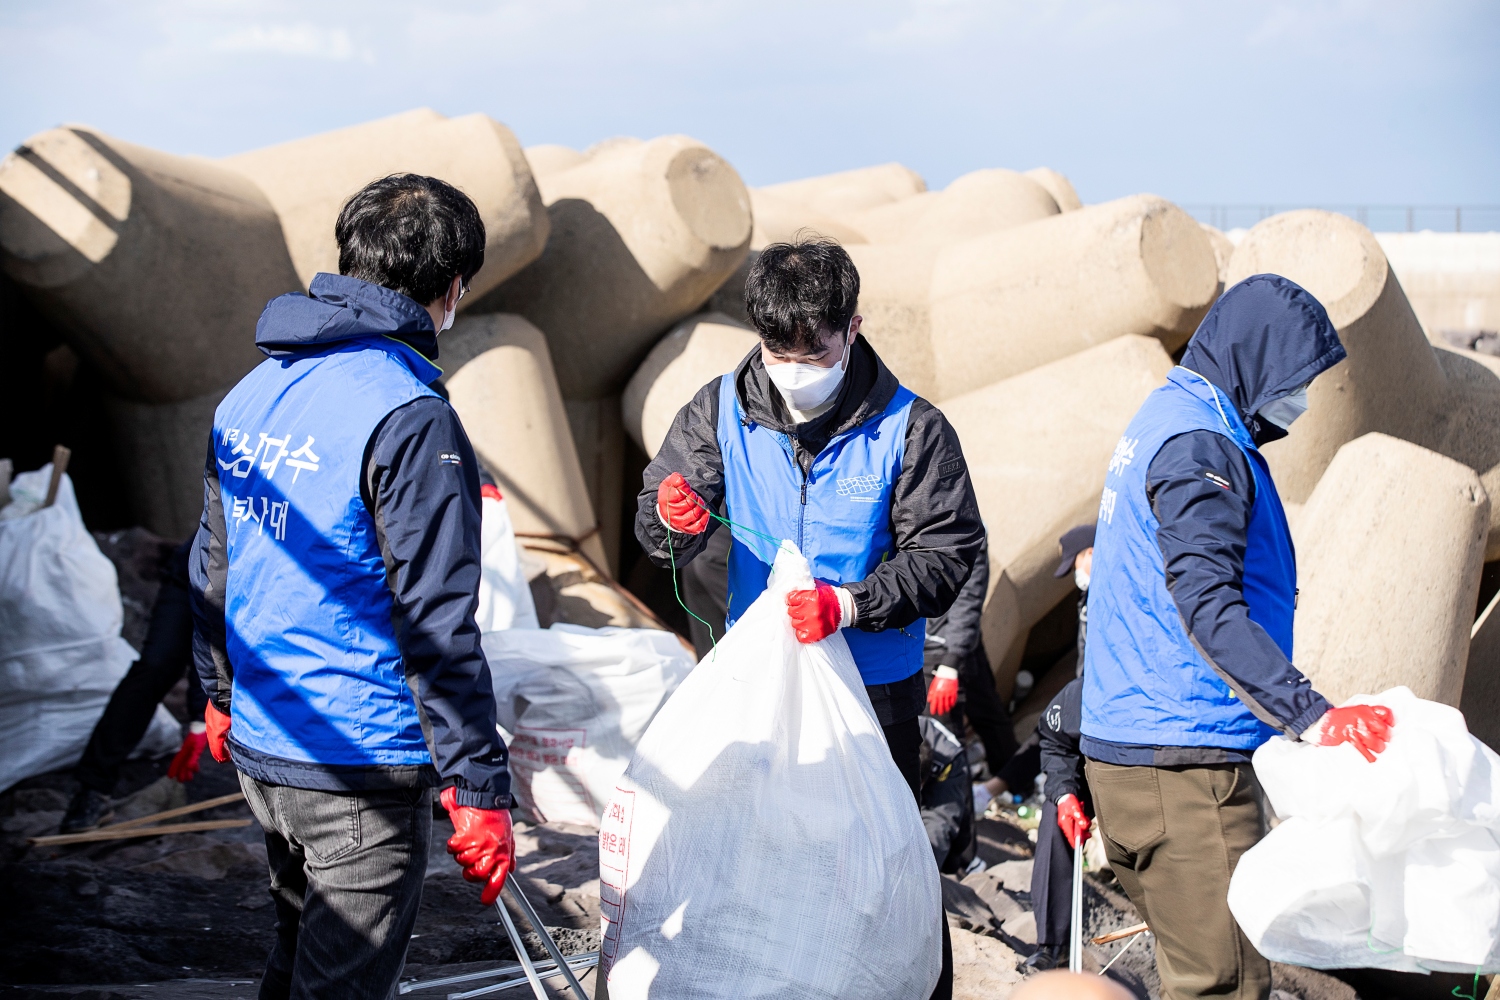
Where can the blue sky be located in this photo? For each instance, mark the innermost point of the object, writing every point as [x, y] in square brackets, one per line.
[1321, 101]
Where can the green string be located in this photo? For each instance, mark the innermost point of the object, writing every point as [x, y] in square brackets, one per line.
[1473, 993]
[672, 555]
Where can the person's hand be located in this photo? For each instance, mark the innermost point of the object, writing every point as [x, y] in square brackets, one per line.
[942, 693]
[482, 843]
[184, 766]
[1072, 820]
[816, 614]
[680, 507]
[218, 732]
[1366, 727]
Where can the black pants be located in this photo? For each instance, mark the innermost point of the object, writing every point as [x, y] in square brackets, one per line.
[1052, 881]
[980, 704]
[346, 878]
[167, 654]
[905, 740]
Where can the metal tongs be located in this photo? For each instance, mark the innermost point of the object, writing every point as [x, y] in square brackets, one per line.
[532, 972]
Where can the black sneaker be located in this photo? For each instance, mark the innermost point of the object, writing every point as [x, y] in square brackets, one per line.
[87, 810]
[1048, 956]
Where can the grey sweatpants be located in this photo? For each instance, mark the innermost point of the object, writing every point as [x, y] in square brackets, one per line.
[346, 878]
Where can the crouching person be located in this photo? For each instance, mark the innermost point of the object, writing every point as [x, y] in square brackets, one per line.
[335, 576]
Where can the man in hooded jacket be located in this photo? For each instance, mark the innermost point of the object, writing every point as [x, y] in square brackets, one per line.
[335, 576]
[1188, 665]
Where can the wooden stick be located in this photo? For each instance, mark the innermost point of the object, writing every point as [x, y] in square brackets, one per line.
[113, 833]
[222, 800]
[1126, 932]
[60, 456]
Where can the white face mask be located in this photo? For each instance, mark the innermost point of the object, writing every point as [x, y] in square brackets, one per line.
[1283, 411]
[805, 386]
[1081, 578]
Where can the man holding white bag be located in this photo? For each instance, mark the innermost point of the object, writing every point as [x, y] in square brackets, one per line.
[813, 439]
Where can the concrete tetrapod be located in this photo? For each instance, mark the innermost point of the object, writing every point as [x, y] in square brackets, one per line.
[642, 234]
[1005, 303]
[1058, 186]
[984, 201]
[501, 382]
[1038, 445]
[698, 349]
[308, 181]
[780, 220]
[1390, 547]
[155, 266]
[851, 190]
[1393, 381]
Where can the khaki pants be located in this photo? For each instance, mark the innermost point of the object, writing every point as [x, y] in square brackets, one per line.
[1173, 836]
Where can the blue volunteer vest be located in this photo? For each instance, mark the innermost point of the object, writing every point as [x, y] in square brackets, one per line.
[1144, 681]
[839, 516]
[318, 676]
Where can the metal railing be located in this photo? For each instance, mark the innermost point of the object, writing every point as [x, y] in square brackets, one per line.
[1381, 218]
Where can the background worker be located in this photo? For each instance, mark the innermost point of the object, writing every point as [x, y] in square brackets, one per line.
[1191, 598]
[1063, 829]
[947, 813]
[165, 657]
[811, 438]
[335, 576]
[960, 683]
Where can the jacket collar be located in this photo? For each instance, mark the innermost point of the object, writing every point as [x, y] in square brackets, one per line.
[1205, 391]
[340, 309]
[867, 389]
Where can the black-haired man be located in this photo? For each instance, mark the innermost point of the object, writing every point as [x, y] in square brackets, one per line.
[335, 577]
[811, 438]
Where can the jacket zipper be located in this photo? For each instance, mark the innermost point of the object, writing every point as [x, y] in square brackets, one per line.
[802, 514]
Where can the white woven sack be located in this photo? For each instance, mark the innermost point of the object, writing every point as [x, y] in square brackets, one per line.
[504, 595]
[61, 654]
[762, 842]
[1393, 864]
[573, 702]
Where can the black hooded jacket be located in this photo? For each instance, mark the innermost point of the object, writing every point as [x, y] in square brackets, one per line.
[1265, 338]
[934, 515]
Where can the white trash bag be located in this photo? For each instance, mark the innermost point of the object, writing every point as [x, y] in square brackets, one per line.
[1390, 865]
[762, 842]
[61, 654]
[574, 701]
[504, 595]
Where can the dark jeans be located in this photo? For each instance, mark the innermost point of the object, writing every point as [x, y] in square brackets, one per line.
[346, 878]
[905, 740]
[167, 654]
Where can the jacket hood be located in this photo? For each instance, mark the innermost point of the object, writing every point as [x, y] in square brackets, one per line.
[1263, 339]
[339, 308]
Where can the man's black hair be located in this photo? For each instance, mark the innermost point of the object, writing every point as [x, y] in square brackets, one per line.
[412, 234]
[798, 292]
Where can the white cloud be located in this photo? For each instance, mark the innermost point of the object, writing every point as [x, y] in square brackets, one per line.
[300, 39]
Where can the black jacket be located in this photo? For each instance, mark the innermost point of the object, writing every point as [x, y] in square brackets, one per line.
[956, 633]
[934, 516]
[946, 801]
[1062, 762]
[428, 529]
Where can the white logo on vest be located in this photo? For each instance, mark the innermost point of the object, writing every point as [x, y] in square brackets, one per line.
[851, 488]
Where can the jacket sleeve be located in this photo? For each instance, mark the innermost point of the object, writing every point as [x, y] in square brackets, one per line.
[938, 533]
[957, 633]
[1058, 732]
[208, 563]
[691, 447]
[1202, 492]
[427, 517]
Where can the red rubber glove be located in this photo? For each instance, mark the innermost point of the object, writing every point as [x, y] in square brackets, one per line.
[680, 507]
[1072, 820]
[942, 693]
[218, 732]
[1367, 727]
[482, 843]
[184, 766]
[815, 613]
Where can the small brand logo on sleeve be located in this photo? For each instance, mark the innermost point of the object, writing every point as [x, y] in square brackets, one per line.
[449, 458]
[1217, 480]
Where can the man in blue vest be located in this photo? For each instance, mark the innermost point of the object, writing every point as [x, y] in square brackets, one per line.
[811, 438]
[335, 577]
[1188, 663]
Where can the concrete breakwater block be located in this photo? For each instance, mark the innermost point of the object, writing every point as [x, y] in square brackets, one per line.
[697, 350]
[1038, 446]
[1390, 547]
[309, 180]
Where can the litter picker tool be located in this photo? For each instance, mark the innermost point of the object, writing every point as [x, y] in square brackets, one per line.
[1075, 939]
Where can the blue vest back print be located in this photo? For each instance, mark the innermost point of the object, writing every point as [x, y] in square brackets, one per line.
[1145, 682]
[318, 675]
[839, 515]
